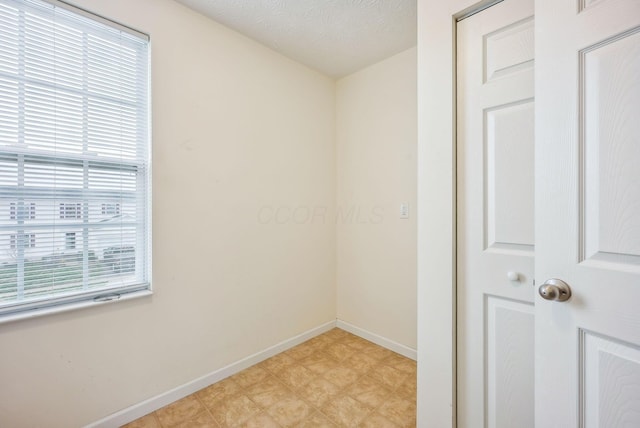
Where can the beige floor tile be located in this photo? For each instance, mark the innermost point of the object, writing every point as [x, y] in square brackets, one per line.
[302, 351]
[368, 392]
[377, 352]
[378, 421]
[267, 392]
[388, 376]
[341, 376]
[399, 410]
[357, 343]
[296, 376]
[202, 420]
[339, 351]
[404, 364]
[234, 411]
[250, 376]
[277, 363]
[360, 362]
[315, 358]
[321, 341]
[289, 411]
[148, 421]
[263, 420]
[318, 391]
[317, 420]
[319, 363]
[179, 411]
[334, 380]
[218, 391]
[408, 388]
[345, 411]
[337, 334]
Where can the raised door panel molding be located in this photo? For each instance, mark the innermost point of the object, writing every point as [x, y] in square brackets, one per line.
[586, 4]
[509, 49]
[610, 102]
[610, 382]
[509, 187]
[510, 363]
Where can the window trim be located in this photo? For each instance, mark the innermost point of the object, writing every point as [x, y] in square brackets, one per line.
[97, 17]
[66, 306]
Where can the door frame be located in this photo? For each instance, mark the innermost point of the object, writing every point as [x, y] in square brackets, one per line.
[436, 401]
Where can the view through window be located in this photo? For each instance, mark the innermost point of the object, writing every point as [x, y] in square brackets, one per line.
[74, 156]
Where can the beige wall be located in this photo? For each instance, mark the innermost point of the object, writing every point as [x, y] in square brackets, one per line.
[248, 241]
[376, 129]
[236, 128]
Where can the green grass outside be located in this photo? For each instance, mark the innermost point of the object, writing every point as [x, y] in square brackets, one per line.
[45, 277]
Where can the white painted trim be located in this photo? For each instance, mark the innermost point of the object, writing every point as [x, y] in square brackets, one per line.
[72, 306]
[138, 410]
[436, 401]
[378, 340]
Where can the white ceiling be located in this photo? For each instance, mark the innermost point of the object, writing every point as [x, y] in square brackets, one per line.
[336, 37]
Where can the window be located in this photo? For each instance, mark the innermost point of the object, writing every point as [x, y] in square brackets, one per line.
[70, 241]
[110, 209]
[71, 211]
[29, 241]
[74, 137]
[30, 211]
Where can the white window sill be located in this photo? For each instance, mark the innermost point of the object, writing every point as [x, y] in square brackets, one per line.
[71, 307]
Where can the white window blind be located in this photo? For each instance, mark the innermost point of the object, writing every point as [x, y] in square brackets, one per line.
[74, 142]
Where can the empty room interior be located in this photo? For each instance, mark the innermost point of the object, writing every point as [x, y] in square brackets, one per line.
[276, 194]
[319, 213]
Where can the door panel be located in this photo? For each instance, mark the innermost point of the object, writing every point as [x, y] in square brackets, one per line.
[611, 382]
[510, 365]
[495, 226]
[509, 175]
[588, 212]
[509, 49]
[611, 200]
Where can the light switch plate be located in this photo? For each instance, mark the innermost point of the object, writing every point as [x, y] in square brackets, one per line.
[404, 210]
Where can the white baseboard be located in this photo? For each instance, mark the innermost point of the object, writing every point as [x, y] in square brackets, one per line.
[378, 340]
[152, 404]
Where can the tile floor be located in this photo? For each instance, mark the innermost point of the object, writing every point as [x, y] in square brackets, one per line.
[333, 380]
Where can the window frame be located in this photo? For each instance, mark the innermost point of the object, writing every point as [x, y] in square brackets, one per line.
[27, 210]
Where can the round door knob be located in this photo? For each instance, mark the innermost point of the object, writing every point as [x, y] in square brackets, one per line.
[555, 289]
[513, 276]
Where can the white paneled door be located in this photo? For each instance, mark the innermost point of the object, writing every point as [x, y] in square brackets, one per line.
[584, 370]
[588, 212]
[495, 225]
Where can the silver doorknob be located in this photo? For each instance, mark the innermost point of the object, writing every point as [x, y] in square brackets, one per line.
[555, 289]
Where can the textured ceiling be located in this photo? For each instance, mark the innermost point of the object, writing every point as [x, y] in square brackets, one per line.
[336, 37]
